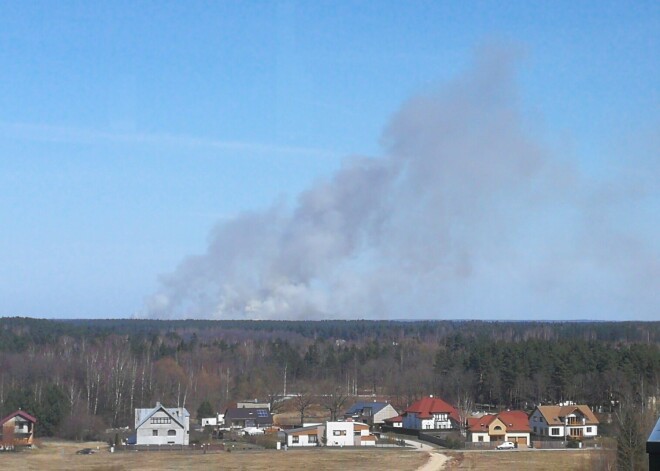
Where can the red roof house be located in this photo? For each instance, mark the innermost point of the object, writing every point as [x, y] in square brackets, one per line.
[17, 429]
[430, 413]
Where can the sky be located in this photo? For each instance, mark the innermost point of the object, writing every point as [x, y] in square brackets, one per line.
[313, 160]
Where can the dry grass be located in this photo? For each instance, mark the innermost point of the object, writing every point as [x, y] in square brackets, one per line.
[538, 460]
[59, 455]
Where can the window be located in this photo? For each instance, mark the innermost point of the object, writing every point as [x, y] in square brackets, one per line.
[161, 420]
[554, 431]
[588, 429]
[171, 433]
[338, 433]
[481, 439]
[154, 433]
[295, 439]
[312, 438]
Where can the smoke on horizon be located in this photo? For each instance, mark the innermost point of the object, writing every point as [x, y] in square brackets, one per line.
[465, 215]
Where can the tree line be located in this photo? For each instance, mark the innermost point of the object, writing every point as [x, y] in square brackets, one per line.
[80, 376]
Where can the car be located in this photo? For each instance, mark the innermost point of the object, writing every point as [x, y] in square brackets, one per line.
[506, 446]
[85, 451]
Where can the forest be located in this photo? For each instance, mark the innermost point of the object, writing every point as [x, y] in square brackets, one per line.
[82, 376]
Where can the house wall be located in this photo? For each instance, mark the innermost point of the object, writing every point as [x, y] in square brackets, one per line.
[497, 429]
[386, 412]
[480, 437]
[339, 433]
[18, 430]
[303, 440]
[537, 420]
[521, 438]
[145, 433]
[411, 420]
[212, 421]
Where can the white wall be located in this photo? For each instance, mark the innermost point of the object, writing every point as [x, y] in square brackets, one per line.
[339, 433]
[145, 434]
[386, 412]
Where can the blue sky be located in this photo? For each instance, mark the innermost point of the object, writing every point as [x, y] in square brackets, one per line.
[130, 130]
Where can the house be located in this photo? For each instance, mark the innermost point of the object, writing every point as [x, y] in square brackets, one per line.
[507, 426]
[162, 426]
[253, 405]
[574, 421]
[430, 413]
[245, 417]
[372, 413]
[348, 433]
[304, 436]
[17, 429]
[396, 422]
[216, 421]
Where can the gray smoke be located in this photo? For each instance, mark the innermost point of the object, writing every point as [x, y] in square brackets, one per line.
[465, 215]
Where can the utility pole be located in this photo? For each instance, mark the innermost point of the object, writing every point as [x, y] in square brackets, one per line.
[285, 366]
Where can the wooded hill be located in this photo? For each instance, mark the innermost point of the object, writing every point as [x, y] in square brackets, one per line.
[80, 376]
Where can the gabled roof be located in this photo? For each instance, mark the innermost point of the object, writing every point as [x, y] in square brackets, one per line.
[396, 419]
[426, 407]
[19, 413]
[261, 415]
[358, 407]
[515, 420]
[554, 415]
[480, 424]
[169, 412]
[309, 430]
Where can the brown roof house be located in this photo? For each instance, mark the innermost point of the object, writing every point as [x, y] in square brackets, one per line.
[17, 429]
[507, 426]
[567, 420]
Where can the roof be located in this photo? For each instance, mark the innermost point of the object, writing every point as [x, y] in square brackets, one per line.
[309, 430]
[259, 415]
[480, 424]
[20, 413]
[554, 415]
[145, 414]
[515, 420]
[358, 407]
[398, 418]
[426, 407]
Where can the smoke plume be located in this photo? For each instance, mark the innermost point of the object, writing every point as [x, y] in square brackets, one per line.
[465, 215]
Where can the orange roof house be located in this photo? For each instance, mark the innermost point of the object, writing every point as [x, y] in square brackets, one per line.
[510, 426]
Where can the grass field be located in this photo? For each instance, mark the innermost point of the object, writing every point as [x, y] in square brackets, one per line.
[61, 455]
[538, 460]
[58, 455]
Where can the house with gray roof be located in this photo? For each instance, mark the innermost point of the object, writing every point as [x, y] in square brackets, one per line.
[162, 426]
[372, 413]
[245, 417]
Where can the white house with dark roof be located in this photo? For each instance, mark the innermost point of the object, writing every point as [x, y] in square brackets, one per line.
[162, 426]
